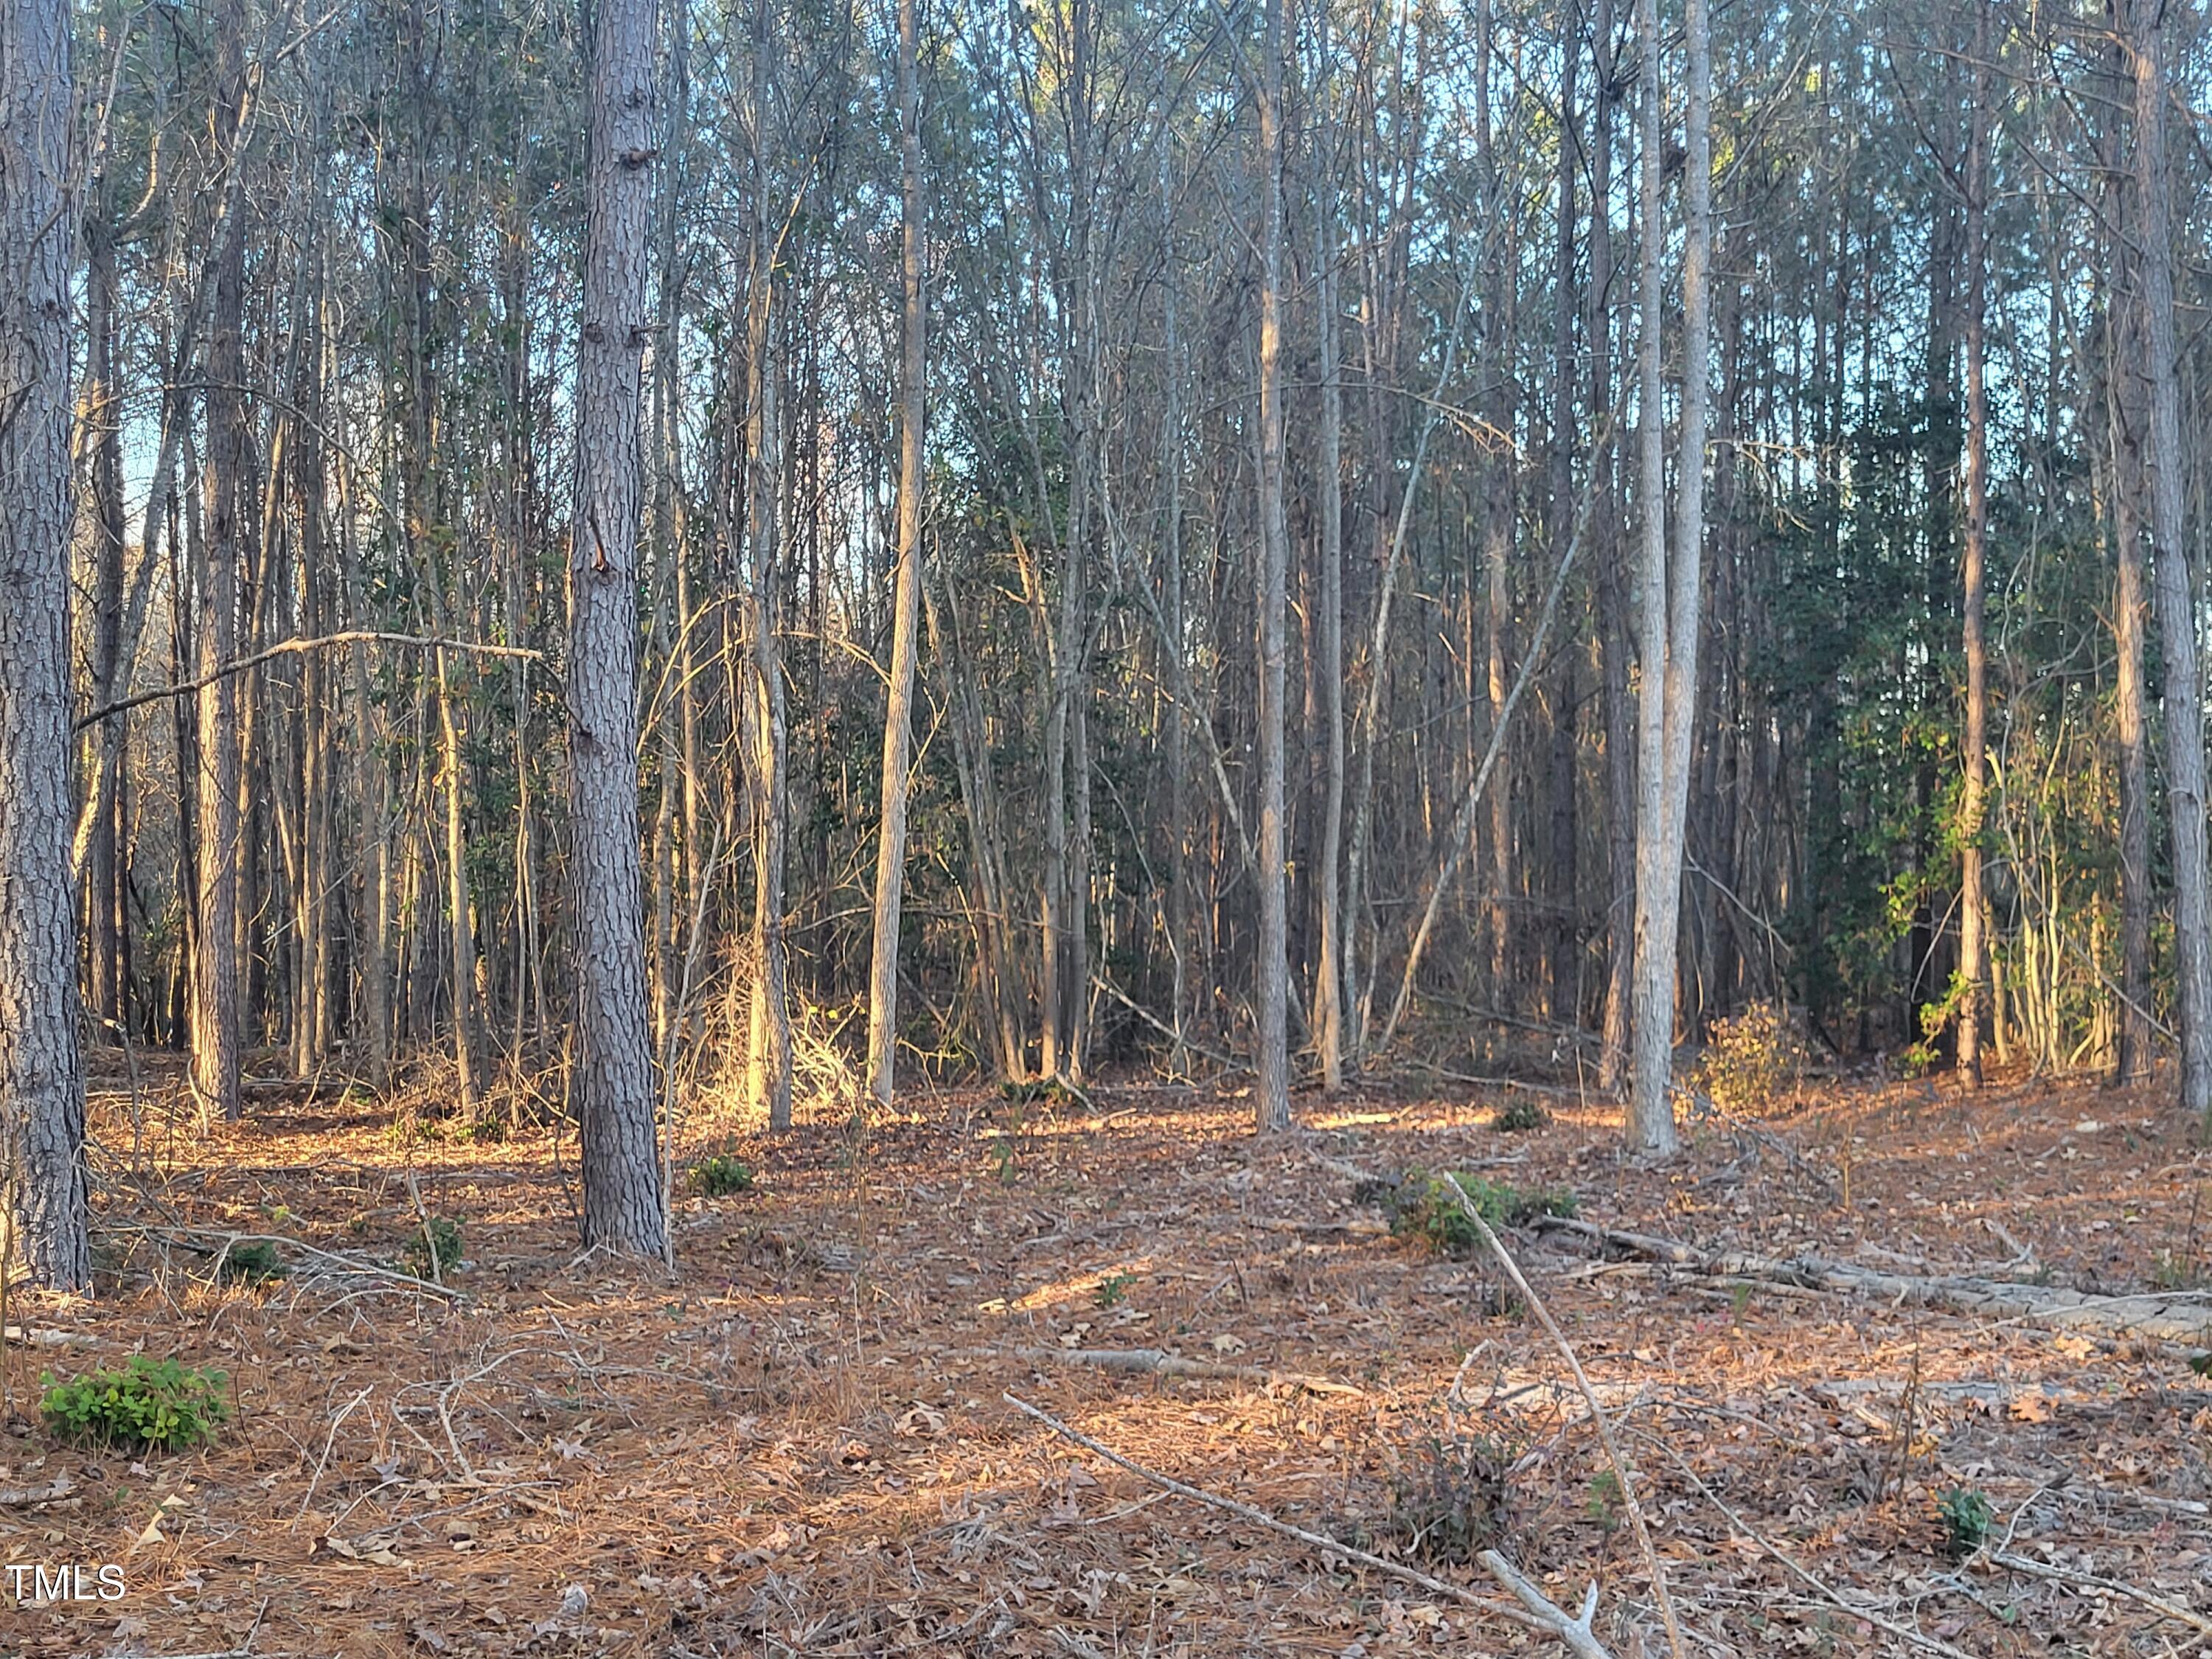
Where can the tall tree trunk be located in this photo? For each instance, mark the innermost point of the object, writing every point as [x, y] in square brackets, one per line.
[1973, 950]
[41, 1072]
[107, 932]
[1560, 882]
[2124, 488]
[310, 1034]
[215, 1034]
[616, 1095]
[2174, 587]
[1671, 585]
[1611, 589]
[1271, 1099]
[768, 1064]
[898, 721]
[1328, 983]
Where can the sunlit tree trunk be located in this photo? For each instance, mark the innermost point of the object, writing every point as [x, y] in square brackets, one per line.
[890, 842]
[1271, 1099]
[1974, 924]
[614, 1086]
[768, 1065]
[1328, 985]
[215, 1058]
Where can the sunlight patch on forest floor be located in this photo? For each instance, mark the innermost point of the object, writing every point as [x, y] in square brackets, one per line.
[799, 1445]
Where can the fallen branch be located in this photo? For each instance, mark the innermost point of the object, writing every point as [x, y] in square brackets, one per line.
[1903, 1632]
[1621, 1472]
[226, 1241]
[2166, 1316]
[1158, 1362]
[1575, 1632]
[2158, 1604]
[1259, 1517]
[15, 1498]
[1359, 1226]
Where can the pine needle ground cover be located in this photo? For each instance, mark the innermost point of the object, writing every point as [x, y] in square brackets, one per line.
[797, 1444]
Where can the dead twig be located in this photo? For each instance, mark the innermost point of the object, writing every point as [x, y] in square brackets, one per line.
[226, 1240]
[1903, 1632]
[1259, 1517]
[323, 1462]
[2158, 1604]
[1621, 1473]
[1158, 1362]
[1575, 1632]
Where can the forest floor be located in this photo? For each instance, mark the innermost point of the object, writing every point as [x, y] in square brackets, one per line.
[799, 1442]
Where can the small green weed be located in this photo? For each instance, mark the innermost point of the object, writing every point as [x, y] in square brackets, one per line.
[1967, 1516]
[1518, 1115]
[1006, 1159]
[1114, 1290]
[1426, 1207]
[1603, 1503]
[415, 1256]
[252, 1263]
[721, 1176]
[150, 1405]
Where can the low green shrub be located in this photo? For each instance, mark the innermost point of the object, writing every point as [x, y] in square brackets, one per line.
[1967, 1516]
[150, 1405]
[1425, 1207]
[254, 1263]
[721, 1176]
[1518, 1115]
[415, 1254]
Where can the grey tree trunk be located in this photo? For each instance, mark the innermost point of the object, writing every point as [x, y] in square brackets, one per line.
[1671, 588]
[107, 876]
[2173, 586]
[1271, 1099]
[41, 1072]
[767, 1063]
[615, 1089]
[1612, 592]
[214, 1033]
[891, 844]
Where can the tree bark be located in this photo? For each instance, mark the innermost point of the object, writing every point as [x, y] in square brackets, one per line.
[615, 1086]
[1973, 951]
[768, 1064]
[216, 1027]
[899, 722]
[41, 1071]
[1328, 982]
[1271, 1099]
[1612, 591]
[107, 932]
[1671, 585]
[2174, 585]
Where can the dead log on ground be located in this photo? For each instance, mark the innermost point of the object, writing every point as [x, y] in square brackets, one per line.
[2160, 1316]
